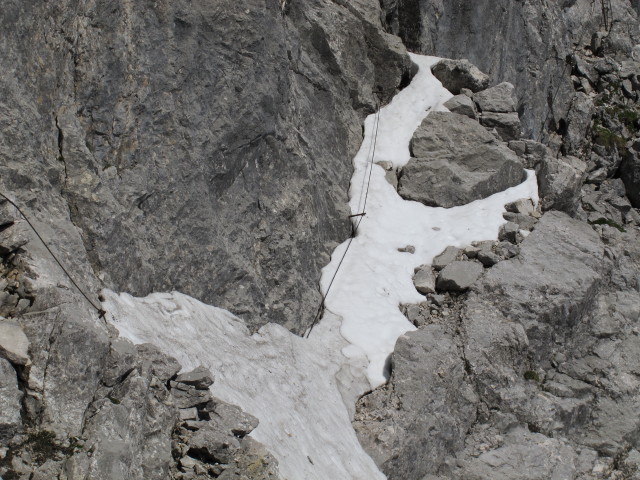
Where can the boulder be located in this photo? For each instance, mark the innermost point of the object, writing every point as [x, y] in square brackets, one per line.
[458, 74]
[462, 105]
[559, 182]
[509, 232]
[523, 205]
[487, 258]
[496, 99]
[445, 258]
[424, 280]
[506, 124]
[200, 378]
[458, 276]
[14, 344]
[456, 162]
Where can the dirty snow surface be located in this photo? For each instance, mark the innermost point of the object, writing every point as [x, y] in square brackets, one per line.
[303, 389]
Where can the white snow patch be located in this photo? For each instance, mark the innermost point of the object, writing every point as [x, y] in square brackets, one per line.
[375, 278]
[289, 383]
[303, 390]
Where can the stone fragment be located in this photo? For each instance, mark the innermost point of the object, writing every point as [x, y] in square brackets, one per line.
[525, 222]
[518, 146]
[447, 256]
[188, 413]
[458, 276]
[509, 232]
[488, 258]
[231, 418]
[507, 124]
[424, 280]
[506, 250]
[456, 161]
[462, 105]
[407, 249]
[523, 205]
[187, 396]
[200, 377]
[458, 74]
[11, 239]
[14, 344]
[498, 99]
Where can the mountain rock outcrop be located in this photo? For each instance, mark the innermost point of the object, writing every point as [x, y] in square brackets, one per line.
[204, 148]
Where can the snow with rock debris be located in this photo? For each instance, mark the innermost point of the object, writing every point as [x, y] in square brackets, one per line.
[303, 390]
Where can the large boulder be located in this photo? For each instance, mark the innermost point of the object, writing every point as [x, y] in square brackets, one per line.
[500, 98]
[458, 74]
[456, 162]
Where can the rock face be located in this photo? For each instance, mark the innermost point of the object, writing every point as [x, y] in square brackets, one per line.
[456, 161]
[169, 146]
[169, 134]
[533, 335]
[492, 33]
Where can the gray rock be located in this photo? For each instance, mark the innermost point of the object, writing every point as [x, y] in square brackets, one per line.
[518, 146]
[200, 377]
[458, 74]
[230, 418]
[523, 205]
[559, 182]
[458, 276]
[499, 99]
[157, 363]
[488, 258]
[10, 399]
[524, 455]
[457, 161]
[430, 385]
[14, 344]
[506, 124]
[525, 222]
[509, 232]
[462, 105]
[447, 256]
[188, 413]
[507, 250]
[213, 446]
[187, 396]
[424, 280]
[577, 124]
[167, 140]
[551, 283]
[408, 249]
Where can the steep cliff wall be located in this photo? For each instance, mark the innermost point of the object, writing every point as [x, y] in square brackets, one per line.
[523, 42]
[200, 147]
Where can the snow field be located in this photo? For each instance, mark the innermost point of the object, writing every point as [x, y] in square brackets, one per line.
[302, 390]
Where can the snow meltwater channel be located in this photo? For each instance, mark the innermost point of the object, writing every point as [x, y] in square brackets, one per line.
[303, 390]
